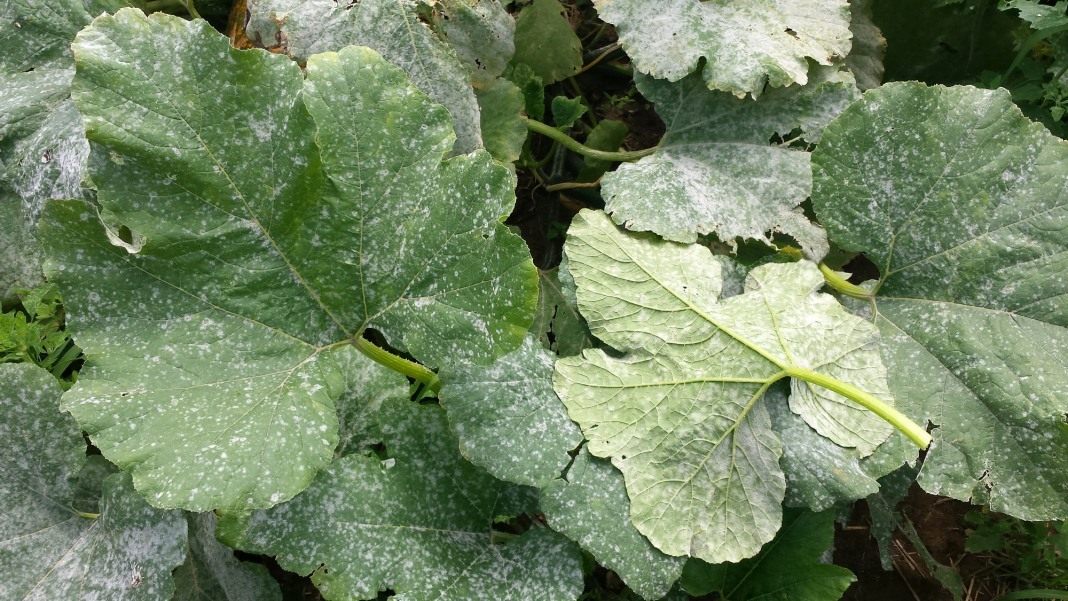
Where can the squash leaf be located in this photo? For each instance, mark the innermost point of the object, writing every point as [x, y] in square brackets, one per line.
[681, 413]
[214, 345]
[961, 203]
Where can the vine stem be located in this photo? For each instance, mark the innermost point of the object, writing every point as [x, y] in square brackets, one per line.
[575, 146]
[1034, 594]
[415, 371]
[88, 516]
[899, 420]
[843, 285]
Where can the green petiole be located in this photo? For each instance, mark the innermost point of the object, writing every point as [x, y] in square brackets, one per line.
[575, 146]
[899, 420]
[842, 285]
[415, 371]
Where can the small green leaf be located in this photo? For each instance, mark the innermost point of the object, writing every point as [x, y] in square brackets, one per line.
[503, 132]
[681, 413]
[419, 523]
[558, 323]
[545, 42]
[508, 418]
[746, 45]
[590, 506]
[566, 111]
[959, 201]
[788, 568]
[715, 171]
[48, 550]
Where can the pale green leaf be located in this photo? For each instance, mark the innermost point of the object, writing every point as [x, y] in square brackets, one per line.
[545, 42]
[48, 550]
[788, 568]
[681, 413]
[715, 171]
[747, 44]
[213, 362]
[865, 58]
[960, 202]
[590, 506]
[212, 573]
[481, 33]
[392, 28]
[508, 418]
[418, 522]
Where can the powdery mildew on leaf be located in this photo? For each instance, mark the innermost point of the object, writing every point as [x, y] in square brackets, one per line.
[961, 203]
[558, 323]
[482, 34]
[507, 417]
[392, 28]
[747, 44]
[681, 413]
[212, 573]
[590, 506]
[418, 522]
[47, 550]
[715, 171]
[212, 371]
[865, 58]
[790, 568]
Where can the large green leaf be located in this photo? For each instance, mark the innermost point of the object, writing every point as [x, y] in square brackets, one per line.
[20, 255]
[48, 550]
[37, 33]
[508, 418]
[746, 44]
[391, 27]
[481, 33]
[212, 573]
[715, 171]
[680, 414]
[788, 569]
[213, 343]
[419, 523]
[961, 203]
[590, 506]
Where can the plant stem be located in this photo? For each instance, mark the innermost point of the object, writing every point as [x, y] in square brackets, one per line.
[1035, 594]
[88, 516]
[843, 285]
[572, 185]
[417, 372]
[899, 420]
[600, 57]
[575, 146]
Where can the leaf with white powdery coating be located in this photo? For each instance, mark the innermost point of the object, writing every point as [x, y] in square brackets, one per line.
[419, 523]
[392, 28]
[590, 506]
[960, 201]
[714, 171]
[746, 44]
[681, 413]
[212, 573]
[212, 367]
[508, 418]
[47, 550]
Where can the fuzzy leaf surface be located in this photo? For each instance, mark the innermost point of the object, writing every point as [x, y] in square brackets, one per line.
[746, 45]
[681, 413]
[962, 204]
[590, 506]
[418, 522]
[507, 417]
[47, 550]
[714, 171]
[392, 28]
[261, 254]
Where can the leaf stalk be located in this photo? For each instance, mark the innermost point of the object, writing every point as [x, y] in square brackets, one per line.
[842, 285]
[578, 147]
[415, 371]
[909, 428]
